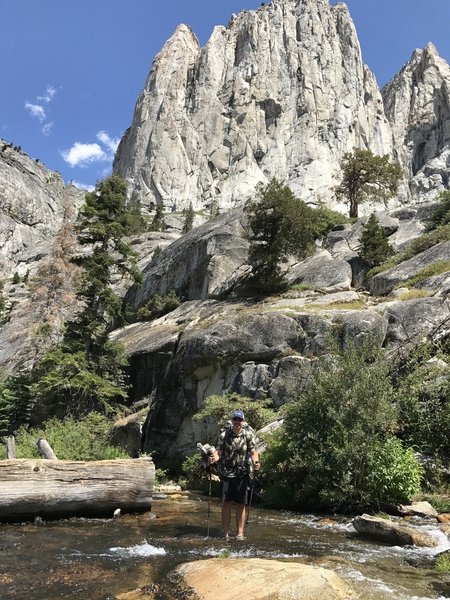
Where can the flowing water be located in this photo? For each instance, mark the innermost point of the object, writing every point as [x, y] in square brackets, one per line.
[100, 559]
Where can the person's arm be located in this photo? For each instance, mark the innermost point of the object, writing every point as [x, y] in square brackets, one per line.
[215, 457]
[255, 460]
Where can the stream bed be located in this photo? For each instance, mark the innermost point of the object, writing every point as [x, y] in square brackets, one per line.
[95, 559]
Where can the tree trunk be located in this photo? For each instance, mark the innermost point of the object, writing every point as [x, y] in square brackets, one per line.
[45, 449]
[10, 447]
[353, 213]
[62, 488]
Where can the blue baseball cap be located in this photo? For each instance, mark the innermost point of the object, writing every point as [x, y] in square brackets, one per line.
[238, 414]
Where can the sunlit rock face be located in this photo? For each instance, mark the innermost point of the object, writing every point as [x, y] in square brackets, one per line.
[417, 104]
[280, 92]
[33, 202]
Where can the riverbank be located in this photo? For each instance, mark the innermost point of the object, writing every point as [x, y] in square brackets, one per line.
[99, 559]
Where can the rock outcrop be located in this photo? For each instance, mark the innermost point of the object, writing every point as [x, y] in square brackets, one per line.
[394, 533]
[281, 92]
[417, 104]
[259, 579]
[33, 203]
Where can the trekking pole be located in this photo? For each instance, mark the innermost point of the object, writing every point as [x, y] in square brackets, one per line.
[209, 500]
[250, 499]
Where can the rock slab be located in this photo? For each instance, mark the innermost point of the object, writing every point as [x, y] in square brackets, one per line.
[260, 579]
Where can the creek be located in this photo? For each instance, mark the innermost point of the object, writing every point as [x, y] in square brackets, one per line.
[95, 559]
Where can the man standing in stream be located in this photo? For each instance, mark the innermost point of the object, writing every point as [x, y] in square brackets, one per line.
[236, 449]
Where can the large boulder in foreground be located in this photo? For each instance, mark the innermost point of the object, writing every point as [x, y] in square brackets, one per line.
[258, 579]
[390, 532]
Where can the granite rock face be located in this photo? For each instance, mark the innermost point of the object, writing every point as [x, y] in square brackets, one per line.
[417, 104]
[33, 202]
[281, 92]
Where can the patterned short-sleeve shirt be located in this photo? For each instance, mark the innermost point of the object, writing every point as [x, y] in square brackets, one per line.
[236, 450]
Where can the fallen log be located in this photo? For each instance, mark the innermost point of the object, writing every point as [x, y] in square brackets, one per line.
[61, 488]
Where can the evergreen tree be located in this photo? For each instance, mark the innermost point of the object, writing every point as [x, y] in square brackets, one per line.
[280, 225]
[86, 371]
[375, 246]
[158, 223]
[366, 176]
[136, 220]
[188, 219]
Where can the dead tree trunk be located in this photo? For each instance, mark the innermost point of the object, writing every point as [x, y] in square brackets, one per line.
[10, 447]
[61, 488]
[45, 449]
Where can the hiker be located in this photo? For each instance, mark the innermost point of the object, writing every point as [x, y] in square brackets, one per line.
[235, 450]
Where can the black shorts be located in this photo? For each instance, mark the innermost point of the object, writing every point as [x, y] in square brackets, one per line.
[234, 489]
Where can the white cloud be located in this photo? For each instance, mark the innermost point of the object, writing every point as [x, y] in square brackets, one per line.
[108, 141]
[36, 110]
[83, 186]
[49, 94]
[46, 129]
[81, 155]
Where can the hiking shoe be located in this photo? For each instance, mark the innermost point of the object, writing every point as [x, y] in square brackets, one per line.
[226, 537]
[240, 537]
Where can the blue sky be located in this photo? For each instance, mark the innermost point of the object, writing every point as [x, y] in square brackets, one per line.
[71, 70]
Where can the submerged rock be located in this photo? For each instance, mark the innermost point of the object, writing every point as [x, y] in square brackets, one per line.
[390, 532]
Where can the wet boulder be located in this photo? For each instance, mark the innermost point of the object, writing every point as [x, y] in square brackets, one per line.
[391, 532]
[258, 579]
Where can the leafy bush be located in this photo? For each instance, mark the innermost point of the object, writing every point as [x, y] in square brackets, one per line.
[84, 439]
[441, 214]
[257, 412]
[395, 473]
[424, 402]
[326, 219]
[157, 306]
[333, 434]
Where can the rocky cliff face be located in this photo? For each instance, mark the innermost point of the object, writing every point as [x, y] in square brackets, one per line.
[33, 201]
[417, 104]
[282, 91]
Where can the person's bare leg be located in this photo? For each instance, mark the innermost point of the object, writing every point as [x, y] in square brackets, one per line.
[240, 519]
[226, 517]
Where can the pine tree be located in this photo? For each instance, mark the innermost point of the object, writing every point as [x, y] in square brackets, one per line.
[366, 176]
[86, 371]
[158, 223]
[189, 219]
[375, 246]
[280, 225]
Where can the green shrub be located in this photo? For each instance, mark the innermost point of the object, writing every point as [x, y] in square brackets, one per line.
[16, 278]
[158, 306]
[441, 214]
[334, 431]
[443, 563]
[423, 398]
[326, 219]
[395, 473]
[257, 412]
[84, 439]
[190, 465]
